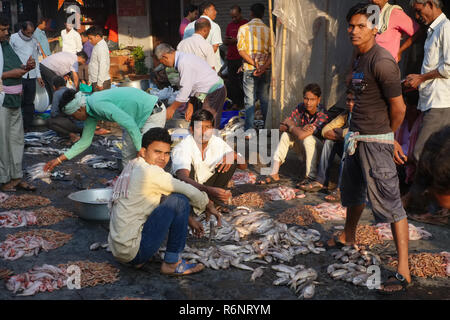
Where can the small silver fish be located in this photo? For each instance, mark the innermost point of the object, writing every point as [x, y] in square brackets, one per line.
[257, 273]
[338, 273]
[95, 246]
[308, 291]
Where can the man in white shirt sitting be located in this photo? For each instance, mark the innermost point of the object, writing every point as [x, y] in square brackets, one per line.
[204, 160]
[71, 39]
[149, 204]
[25, 46]
[100, 61]
[197, 44]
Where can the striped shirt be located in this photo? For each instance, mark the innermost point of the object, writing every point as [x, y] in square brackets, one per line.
[254, 39]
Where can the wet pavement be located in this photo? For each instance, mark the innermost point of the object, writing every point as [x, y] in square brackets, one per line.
[210, 284]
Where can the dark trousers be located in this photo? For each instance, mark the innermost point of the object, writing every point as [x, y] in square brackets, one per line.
[329, 151]
[29, 93]
[63, 125]
[47, 76]
[234, 83]
[219, 179]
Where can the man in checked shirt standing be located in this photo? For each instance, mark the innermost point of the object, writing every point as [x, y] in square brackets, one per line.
[303, 127]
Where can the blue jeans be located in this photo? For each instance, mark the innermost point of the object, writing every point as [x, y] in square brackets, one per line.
[170, 217]
[255, 88]
[329, 151]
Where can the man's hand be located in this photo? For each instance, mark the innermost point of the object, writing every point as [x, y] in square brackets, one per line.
[98, 88]
[289, 123]
[259, 71]
[399, 157]
[49, 166]
[41, 82]
[196, 227]
[223, 166]
[211, 210]
[219, 194]
[308, 127]
[414, 80]
[189, 111]
[31, 64]
[283, 127]
[170, 111]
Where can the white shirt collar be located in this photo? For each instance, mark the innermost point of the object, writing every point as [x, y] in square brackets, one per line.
[436, 22]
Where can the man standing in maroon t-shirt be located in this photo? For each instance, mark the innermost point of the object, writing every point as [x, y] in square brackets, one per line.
[234, 85]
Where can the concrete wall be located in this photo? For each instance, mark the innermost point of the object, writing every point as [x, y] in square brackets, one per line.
[136, 31]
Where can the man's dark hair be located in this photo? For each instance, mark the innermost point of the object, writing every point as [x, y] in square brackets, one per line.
[4, 21]
[84, 34]
[237, 8]
[24, 26]
[156, 134]
[190, 8]
[258, 10]
[314, 88]
[205, 5]
[58, 82]
[360, 8]
[433, 170]
[41, 20]
[95, 31]
[83, 55]
[201, 24]
[201, 115]
[350, 91]
[67, 96]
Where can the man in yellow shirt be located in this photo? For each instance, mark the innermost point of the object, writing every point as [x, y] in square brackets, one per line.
[149, 204]
[254, 47]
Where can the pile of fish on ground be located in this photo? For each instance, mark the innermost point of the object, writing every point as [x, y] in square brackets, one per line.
[242, 177]
[42, 217]
[300, 215]
[415, 233]
[276, 243]
[37, 172]
[30, 243]
[329, 211]
[50, 278]
[24, 201]
[426, 264]
[249, 199]
[98, 162]
[283, 193]
[351, 265]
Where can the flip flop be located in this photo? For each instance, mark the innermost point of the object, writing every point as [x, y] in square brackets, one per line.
[334, 196]
[183, 267]
[312, 186]
[25, 186]
[394, 279]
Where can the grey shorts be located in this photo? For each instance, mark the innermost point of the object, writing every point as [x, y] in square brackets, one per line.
[371, 173]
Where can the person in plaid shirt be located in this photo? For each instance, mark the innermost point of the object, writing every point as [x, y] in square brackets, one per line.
[302, 128]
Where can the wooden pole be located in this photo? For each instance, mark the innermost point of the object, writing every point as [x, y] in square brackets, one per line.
[272, 53]
[283, 67]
